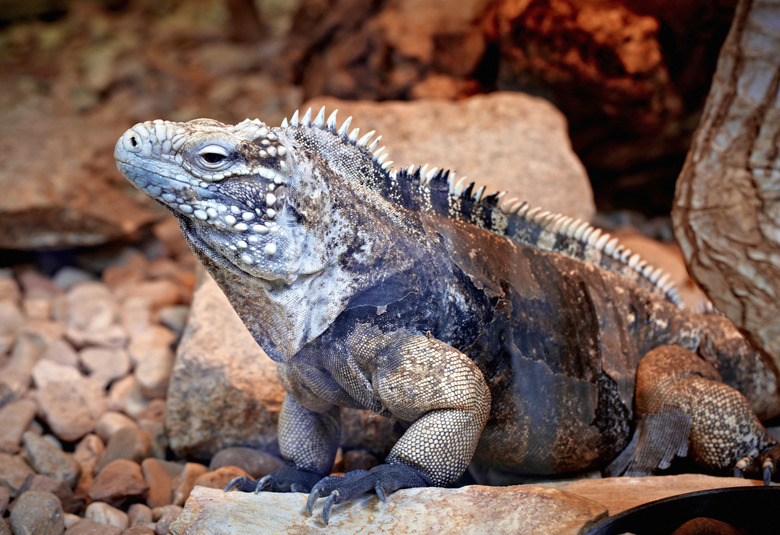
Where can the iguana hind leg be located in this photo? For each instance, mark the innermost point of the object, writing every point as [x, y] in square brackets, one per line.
[677, 392]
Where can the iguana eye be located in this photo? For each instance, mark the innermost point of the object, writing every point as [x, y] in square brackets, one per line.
[213, 156]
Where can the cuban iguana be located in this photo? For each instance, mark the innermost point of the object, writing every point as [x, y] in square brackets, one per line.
[505, 336]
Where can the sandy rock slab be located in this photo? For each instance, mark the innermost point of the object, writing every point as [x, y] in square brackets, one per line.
[528, 509]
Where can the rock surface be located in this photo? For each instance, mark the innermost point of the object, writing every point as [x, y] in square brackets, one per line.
[527, 509]
[509, 141]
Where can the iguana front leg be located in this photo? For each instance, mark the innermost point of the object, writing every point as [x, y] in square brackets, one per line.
[422, 380]
[308, 441]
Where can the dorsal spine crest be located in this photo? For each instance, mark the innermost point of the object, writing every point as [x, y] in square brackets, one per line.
[439, 192]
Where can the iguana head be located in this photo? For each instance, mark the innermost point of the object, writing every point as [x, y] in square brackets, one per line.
[239, 193]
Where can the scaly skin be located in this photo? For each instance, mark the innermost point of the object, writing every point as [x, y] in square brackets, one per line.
[504, 336]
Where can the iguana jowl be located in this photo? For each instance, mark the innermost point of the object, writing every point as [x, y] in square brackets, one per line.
[514, 338]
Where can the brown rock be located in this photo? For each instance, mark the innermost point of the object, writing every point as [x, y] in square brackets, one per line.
[71, 408]
[159, 475]
[15, 417]
[102, 513]
[118, 482]
[58, 487]
[110, 422]
[221, 394]
[13, 472]
[139, 530]
[185, 482]
[47, 371]
[61, 352]
[620, 493]
[37, 512]
[46, 459]
[256, 463]
[524, 509]
[129, 443]
[55, 205]
[26, 352]
[158, 292]
[86, 526]
[165, 516]
[11, 321]
[219, 478]
[5, 498]
[139, 514]
[105, 364]
[152, 353]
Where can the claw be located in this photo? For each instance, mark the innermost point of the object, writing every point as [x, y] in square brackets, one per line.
[381, 493]
[332, 499]
[242, 483]
[768, 469]
[262, 483]
[738, 472]
[313, 497]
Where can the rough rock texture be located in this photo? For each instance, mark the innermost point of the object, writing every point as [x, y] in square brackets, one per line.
[620, 493]
[527, 509]
[508, 141]
[727, 207]
[54, 206]
[224, 390]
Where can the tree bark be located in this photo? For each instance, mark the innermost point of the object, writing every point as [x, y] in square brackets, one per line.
[727, 205]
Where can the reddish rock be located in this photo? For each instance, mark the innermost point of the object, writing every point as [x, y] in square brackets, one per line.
[255, 462]
[159, 475]
[184, 482]
[71, 408]
[86, 526]
[129, 443]
[15, 417]
[118, 482]
[219, 478]
[48, 460]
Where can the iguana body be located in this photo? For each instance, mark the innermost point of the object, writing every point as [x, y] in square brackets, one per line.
[500, 334]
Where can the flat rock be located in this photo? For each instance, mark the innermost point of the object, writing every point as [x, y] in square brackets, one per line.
[510, 142]
[54, 206]
[14, 419]
[13, 472]
[527, 509]
[620, 493]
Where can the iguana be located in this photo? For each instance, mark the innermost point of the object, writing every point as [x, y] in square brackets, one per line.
[502, 335]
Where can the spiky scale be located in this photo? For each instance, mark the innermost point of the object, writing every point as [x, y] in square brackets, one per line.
[294, 119]
[306, 121]
[319, 121]
[332, 121]
[345, 127]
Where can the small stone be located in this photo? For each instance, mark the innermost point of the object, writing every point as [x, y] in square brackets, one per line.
[159, 474]
[139, 530]
[15, 417]
[118, 393]
[152, 420]
[58, 487]
[359, 460]
[185, 482]
[68, 276]
[159, 292]
[47, 460]
[71, 519]
[136, 315]
[152, 353]
[61, 352]
[46, 372]
[5, 529]
[133, 269]
[219, 478]
[87, 453]
[102, 513]
[71, 408]
[140, 514]
[11, 321]
[85, 526]
[174, 317]
[5, 498]
[126, 443]
[111, 422]
[165, 516]
[37, 512]
[112, 336]
[13, 472]
[38, 308]
[105, 364]
[118, 482]
[255, 462]
[9, 288]
[27, 351]
[91, 307]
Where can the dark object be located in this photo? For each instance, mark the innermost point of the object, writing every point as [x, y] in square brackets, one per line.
[744, 508]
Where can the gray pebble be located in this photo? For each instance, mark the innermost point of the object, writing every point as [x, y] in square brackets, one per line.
[37, 512]
[47, 460]
[257, 463]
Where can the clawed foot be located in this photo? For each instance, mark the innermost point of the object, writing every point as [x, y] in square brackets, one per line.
[285, 479]
[764, 463]
[383, 479]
